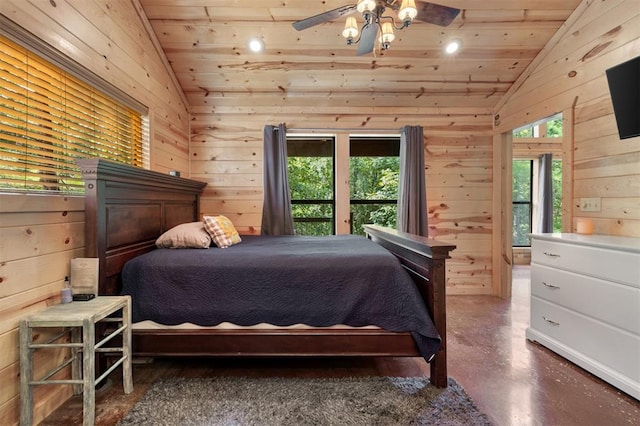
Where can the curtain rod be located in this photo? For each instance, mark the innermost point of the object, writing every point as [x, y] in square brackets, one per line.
[341, 129]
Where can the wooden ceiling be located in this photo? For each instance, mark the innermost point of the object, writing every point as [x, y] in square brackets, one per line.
[205, 42]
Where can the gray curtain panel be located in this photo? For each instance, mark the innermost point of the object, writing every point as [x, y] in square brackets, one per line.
[545, 194]
[277, 217]
[412, 198]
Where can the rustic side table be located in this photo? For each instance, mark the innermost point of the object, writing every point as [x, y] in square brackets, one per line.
[79, 319]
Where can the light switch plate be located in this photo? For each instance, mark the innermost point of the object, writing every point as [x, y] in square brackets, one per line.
[590, 204]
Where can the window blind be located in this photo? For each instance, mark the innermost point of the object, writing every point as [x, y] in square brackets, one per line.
[48, 118]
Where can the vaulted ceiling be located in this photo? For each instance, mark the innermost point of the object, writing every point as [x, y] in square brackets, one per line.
[205, 42]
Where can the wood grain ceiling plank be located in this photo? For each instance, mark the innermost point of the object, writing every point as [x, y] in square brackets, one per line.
[333, 46]
[155, 12]
[356, 99]
[225, 14]
[282, 29]
[423, 70]
[512, 4]
[322, 5]
[426, 112]
[185, 59]
[312, 84]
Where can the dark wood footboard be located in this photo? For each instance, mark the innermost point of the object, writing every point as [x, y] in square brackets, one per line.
[424, 258]
[127, 208]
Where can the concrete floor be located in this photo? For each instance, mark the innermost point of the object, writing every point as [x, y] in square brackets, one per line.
[518, 382]
[514, 381]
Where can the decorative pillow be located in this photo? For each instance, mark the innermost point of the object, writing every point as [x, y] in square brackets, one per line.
[185, 235]
[222, 231]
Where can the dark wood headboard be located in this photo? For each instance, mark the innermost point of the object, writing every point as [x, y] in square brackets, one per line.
[126, 209]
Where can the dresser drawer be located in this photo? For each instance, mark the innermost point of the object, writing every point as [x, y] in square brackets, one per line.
[619, 266]
[611, 347]
[612, 303]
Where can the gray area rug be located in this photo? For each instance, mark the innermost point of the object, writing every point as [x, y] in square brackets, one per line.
[301, 401]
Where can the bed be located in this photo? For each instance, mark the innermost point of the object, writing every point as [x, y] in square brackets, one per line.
[127, 208]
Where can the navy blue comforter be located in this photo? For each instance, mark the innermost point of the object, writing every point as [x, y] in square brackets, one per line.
[284, 280]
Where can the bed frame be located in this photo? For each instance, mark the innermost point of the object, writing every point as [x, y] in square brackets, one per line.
[127, 208]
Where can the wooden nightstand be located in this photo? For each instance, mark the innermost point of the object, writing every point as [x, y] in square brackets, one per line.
[80, 319]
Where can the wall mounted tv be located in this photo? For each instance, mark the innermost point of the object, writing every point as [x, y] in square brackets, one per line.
[624, 86]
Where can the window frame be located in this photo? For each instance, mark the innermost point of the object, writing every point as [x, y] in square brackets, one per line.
[329, 140]
[530, 201]
[342, 222]
[381, 150]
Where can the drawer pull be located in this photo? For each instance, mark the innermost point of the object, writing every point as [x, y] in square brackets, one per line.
[556, 323]
[551, 286]
[551, 254]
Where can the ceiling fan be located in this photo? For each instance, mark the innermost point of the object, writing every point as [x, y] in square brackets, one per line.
[374, 20]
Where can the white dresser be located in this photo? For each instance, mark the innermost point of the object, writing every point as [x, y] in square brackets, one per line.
[585, 303]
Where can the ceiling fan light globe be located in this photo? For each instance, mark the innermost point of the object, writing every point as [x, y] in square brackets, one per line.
[366, 6]
[350, 28]
[387, 35]
[407, 11]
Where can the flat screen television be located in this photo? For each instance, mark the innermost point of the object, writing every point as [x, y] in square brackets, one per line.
[624, 86]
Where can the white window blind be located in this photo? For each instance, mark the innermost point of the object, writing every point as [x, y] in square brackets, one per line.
[49, 117]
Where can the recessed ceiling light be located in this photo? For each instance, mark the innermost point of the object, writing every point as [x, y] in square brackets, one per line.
[453, 46]
[256, 45]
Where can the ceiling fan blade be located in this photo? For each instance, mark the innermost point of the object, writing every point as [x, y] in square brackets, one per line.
[435, 13]
[323, 17]
[368, 39]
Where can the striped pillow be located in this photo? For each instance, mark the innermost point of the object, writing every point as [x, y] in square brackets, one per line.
[222, 231]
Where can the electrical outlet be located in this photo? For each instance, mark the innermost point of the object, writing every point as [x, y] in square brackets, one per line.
[590, 204]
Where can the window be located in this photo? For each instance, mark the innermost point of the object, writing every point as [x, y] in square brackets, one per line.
[522, 202]
[374, 169]
[49, 117]
[372, 166]
[524, 187]
[556, 177]
[526, 142]
[550, 127]
[311, 181]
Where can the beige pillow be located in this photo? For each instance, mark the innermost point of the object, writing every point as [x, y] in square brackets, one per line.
[185, 235]
[221, 230]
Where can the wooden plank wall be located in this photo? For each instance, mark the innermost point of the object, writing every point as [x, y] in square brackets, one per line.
[571, 76]
[459, 192]
[39, 234]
